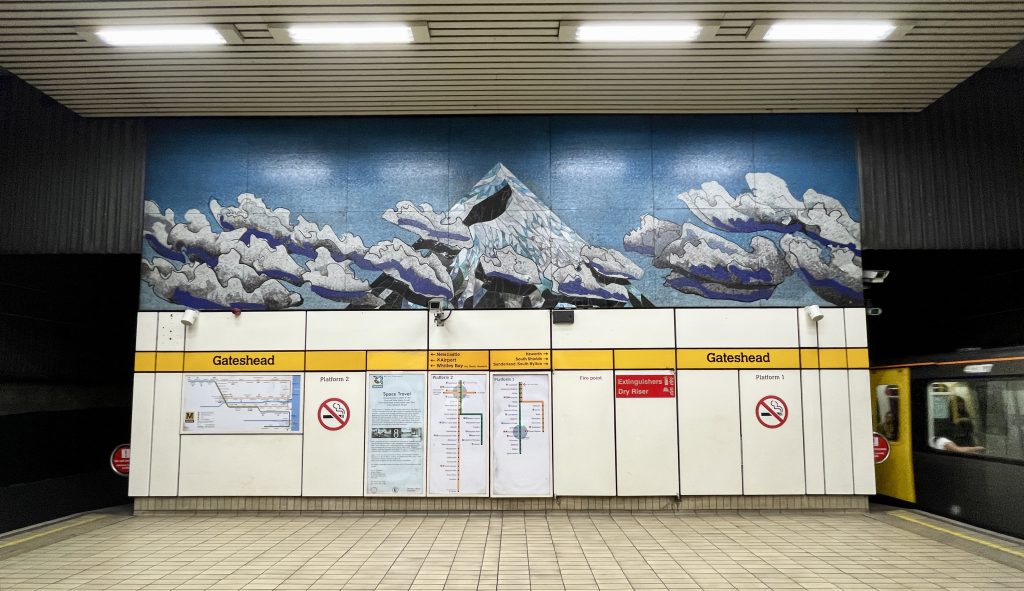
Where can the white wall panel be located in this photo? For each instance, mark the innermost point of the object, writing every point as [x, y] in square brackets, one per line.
[142, 432]
[835, 427]
[146, 324]
[583, 404]
[710, 456]
[832, 328]
[332, 461]
[856, 327]
[493, 329]
[241, 465]
[250, 331]
[861, 432]
[814, 455]
[736, 327]
[163, 471]
[366, 329]
[807, 328]
[170, 332]
[773, 458]
[647, 452]
[609, 329]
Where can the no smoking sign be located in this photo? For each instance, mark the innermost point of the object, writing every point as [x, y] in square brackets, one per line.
[333, 414]
[771, 412]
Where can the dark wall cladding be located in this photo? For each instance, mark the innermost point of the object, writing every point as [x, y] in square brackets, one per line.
[67, 184]
[952, 176]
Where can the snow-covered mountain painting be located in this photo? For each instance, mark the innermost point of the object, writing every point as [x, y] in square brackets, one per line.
[499, 247]
[591, 225]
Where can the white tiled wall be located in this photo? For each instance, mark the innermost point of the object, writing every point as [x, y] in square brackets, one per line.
[706, 443]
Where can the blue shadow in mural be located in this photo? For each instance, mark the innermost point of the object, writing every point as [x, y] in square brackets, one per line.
[362, 213]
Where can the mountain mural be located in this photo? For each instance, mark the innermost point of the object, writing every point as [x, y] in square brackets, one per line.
[500, 246]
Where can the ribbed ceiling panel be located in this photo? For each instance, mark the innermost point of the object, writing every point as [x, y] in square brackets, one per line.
[500, 57]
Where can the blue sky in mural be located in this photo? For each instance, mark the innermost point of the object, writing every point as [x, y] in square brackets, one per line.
[600, 174]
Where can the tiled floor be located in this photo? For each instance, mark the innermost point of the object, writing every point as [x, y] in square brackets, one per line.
[505, 551]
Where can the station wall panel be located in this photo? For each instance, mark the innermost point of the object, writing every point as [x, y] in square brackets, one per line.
[223, 331]
[366, 330]
[710, 454]
[142, 431]
[647, 452]
[736, 327]
[492, 329]
[163, 471]
[583, 405]
[241, 465]
[861, 432]
[856, 327]
[146, 325]
[832, 328]
[773, 450]
[332, 461]
[170, 332]
[836, 434]
[639, 328]
[814, 454]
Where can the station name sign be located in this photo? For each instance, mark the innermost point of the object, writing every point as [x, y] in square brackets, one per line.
[738, 358]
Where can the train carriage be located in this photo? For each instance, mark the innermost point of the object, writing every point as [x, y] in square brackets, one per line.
[955, 427]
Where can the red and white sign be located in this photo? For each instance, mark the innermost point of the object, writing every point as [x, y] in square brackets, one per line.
[881, 446]
[645, 386]
[120, 458]
[771, 412]
[333, 414]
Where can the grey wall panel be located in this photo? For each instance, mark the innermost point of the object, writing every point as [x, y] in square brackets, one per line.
[67, 184]
[952, 176]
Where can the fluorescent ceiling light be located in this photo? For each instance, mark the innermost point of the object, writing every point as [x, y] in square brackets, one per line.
[631, 32]
[352, 33]
[172, 35]
[829, 31]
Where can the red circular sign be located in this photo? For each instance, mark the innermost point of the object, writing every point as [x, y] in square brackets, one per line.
[771, 412]
[333, 414]
[120, 458]
[881, 447]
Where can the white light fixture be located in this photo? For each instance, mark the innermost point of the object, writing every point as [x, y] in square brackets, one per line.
[180, 35]
[829, 31]
[364, 33]
[978, 368]
[637, 32]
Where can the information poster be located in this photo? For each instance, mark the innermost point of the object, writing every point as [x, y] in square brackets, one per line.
[521, 448]
[394, 434]
[241, 403]
[458, 435]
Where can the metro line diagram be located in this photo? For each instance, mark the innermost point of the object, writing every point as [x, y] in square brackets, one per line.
[458, 444]
[240, 403]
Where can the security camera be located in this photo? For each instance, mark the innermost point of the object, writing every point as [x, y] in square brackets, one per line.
[189, 317]
[438, 307]
[814, 312]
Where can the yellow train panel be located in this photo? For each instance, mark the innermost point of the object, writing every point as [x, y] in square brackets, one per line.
[895, 476]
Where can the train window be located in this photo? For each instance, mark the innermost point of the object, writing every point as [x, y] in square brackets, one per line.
[978, 416]
[887, 411]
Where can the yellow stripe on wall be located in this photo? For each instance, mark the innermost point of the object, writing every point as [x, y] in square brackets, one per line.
[245, 361]
[832, 358]
[582, 359]
[857, 358]
[645, 359]
[738, 358]
[145, 361]
[809, 358]
[335, 360]
[170, 361]
[396, 360]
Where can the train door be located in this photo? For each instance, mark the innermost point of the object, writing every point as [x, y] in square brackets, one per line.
[890, 407]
